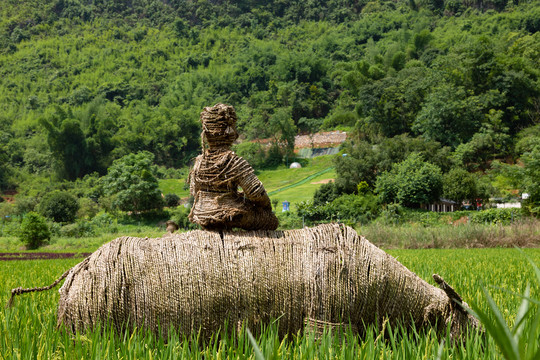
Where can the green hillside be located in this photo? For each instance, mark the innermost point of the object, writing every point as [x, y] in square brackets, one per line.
[304, 189]
[454, 84]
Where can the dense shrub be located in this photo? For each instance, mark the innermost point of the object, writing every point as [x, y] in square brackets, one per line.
[9, 226]
[352, 69]
[349, 208]
[356, 208]
[172, 200]
[132, 185]
[392, 214]
[34, 230]
[326, 193]
[459, 185]
[495, 216]
[88, 208]
[180, 217]
[24, 204]
[60, 206]
[77, 230]
[315, 214]
[104, 223]
[289, 220]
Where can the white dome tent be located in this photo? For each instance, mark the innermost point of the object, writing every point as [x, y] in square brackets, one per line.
[295, 165]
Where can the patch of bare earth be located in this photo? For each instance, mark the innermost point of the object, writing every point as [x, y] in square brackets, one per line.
[324, 181]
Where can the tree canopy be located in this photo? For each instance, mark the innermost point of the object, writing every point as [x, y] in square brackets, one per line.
[85, 83]
[411, 183]
[131, 183]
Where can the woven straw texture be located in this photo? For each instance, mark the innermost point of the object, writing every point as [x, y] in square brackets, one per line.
[217, 174]
[201, 279]
[214, 183]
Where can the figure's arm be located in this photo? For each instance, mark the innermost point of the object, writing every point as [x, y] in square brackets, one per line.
[194, 187]
[252, 186]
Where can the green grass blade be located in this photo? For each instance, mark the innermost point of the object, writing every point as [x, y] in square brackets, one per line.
[440, 351]
[533, 340]
[256, 349]
[498, 329]
[522, 313]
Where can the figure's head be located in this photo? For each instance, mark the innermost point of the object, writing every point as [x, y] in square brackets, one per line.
[219, 125]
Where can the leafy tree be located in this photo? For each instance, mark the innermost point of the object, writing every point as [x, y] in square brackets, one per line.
[358, 163]
[286, 66]
[411, 183]
[460, 185]
[181, 28]
[24, 204]
[528, 139]
[420, 41]
[132, 184]
[4, 168]
[68, 145]
[180, 216]
[448, 116]
[485, 145]
[88, 208]
[171, 200]
[253, 152]
[60, 206]
[358, 208]
[505, 178]
[390, 105]
[283, 129]
[326, 193]
[480, 64]
[34, 230]
[396, 149]
[348, 207]
[364, 160]
[531, 181]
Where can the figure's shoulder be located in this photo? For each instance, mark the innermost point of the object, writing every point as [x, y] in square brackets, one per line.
[239, 161]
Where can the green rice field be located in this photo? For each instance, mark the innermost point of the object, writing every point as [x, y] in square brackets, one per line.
[28, 329]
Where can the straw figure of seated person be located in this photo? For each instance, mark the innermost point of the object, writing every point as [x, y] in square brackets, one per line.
[217, 174]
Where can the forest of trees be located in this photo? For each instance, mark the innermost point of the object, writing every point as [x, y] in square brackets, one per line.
[450, 83]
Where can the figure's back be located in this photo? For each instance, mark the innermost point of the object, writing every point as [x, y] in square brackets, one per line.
[218, 173]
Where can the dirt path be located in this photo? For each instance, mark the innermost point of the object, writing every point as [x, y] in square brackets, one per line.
[40, 256]
[324, 181]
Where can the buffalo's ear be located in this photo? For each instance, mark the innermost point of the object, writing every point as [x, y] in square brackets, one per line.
[457, 300]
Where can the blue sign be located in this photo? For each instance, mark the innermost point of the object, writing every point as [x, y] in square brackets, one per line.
[285, 206]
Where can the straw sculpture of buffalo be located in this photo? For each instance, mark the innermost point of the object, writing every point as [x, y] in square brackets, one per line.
[199, 280]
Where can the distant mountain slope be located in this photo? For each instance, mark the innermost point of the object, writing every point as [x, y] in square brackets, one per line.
[84, 82]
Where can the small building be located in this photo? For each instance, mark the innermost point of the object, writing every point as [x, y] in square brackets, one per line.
[509, 205]
[443, 205]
